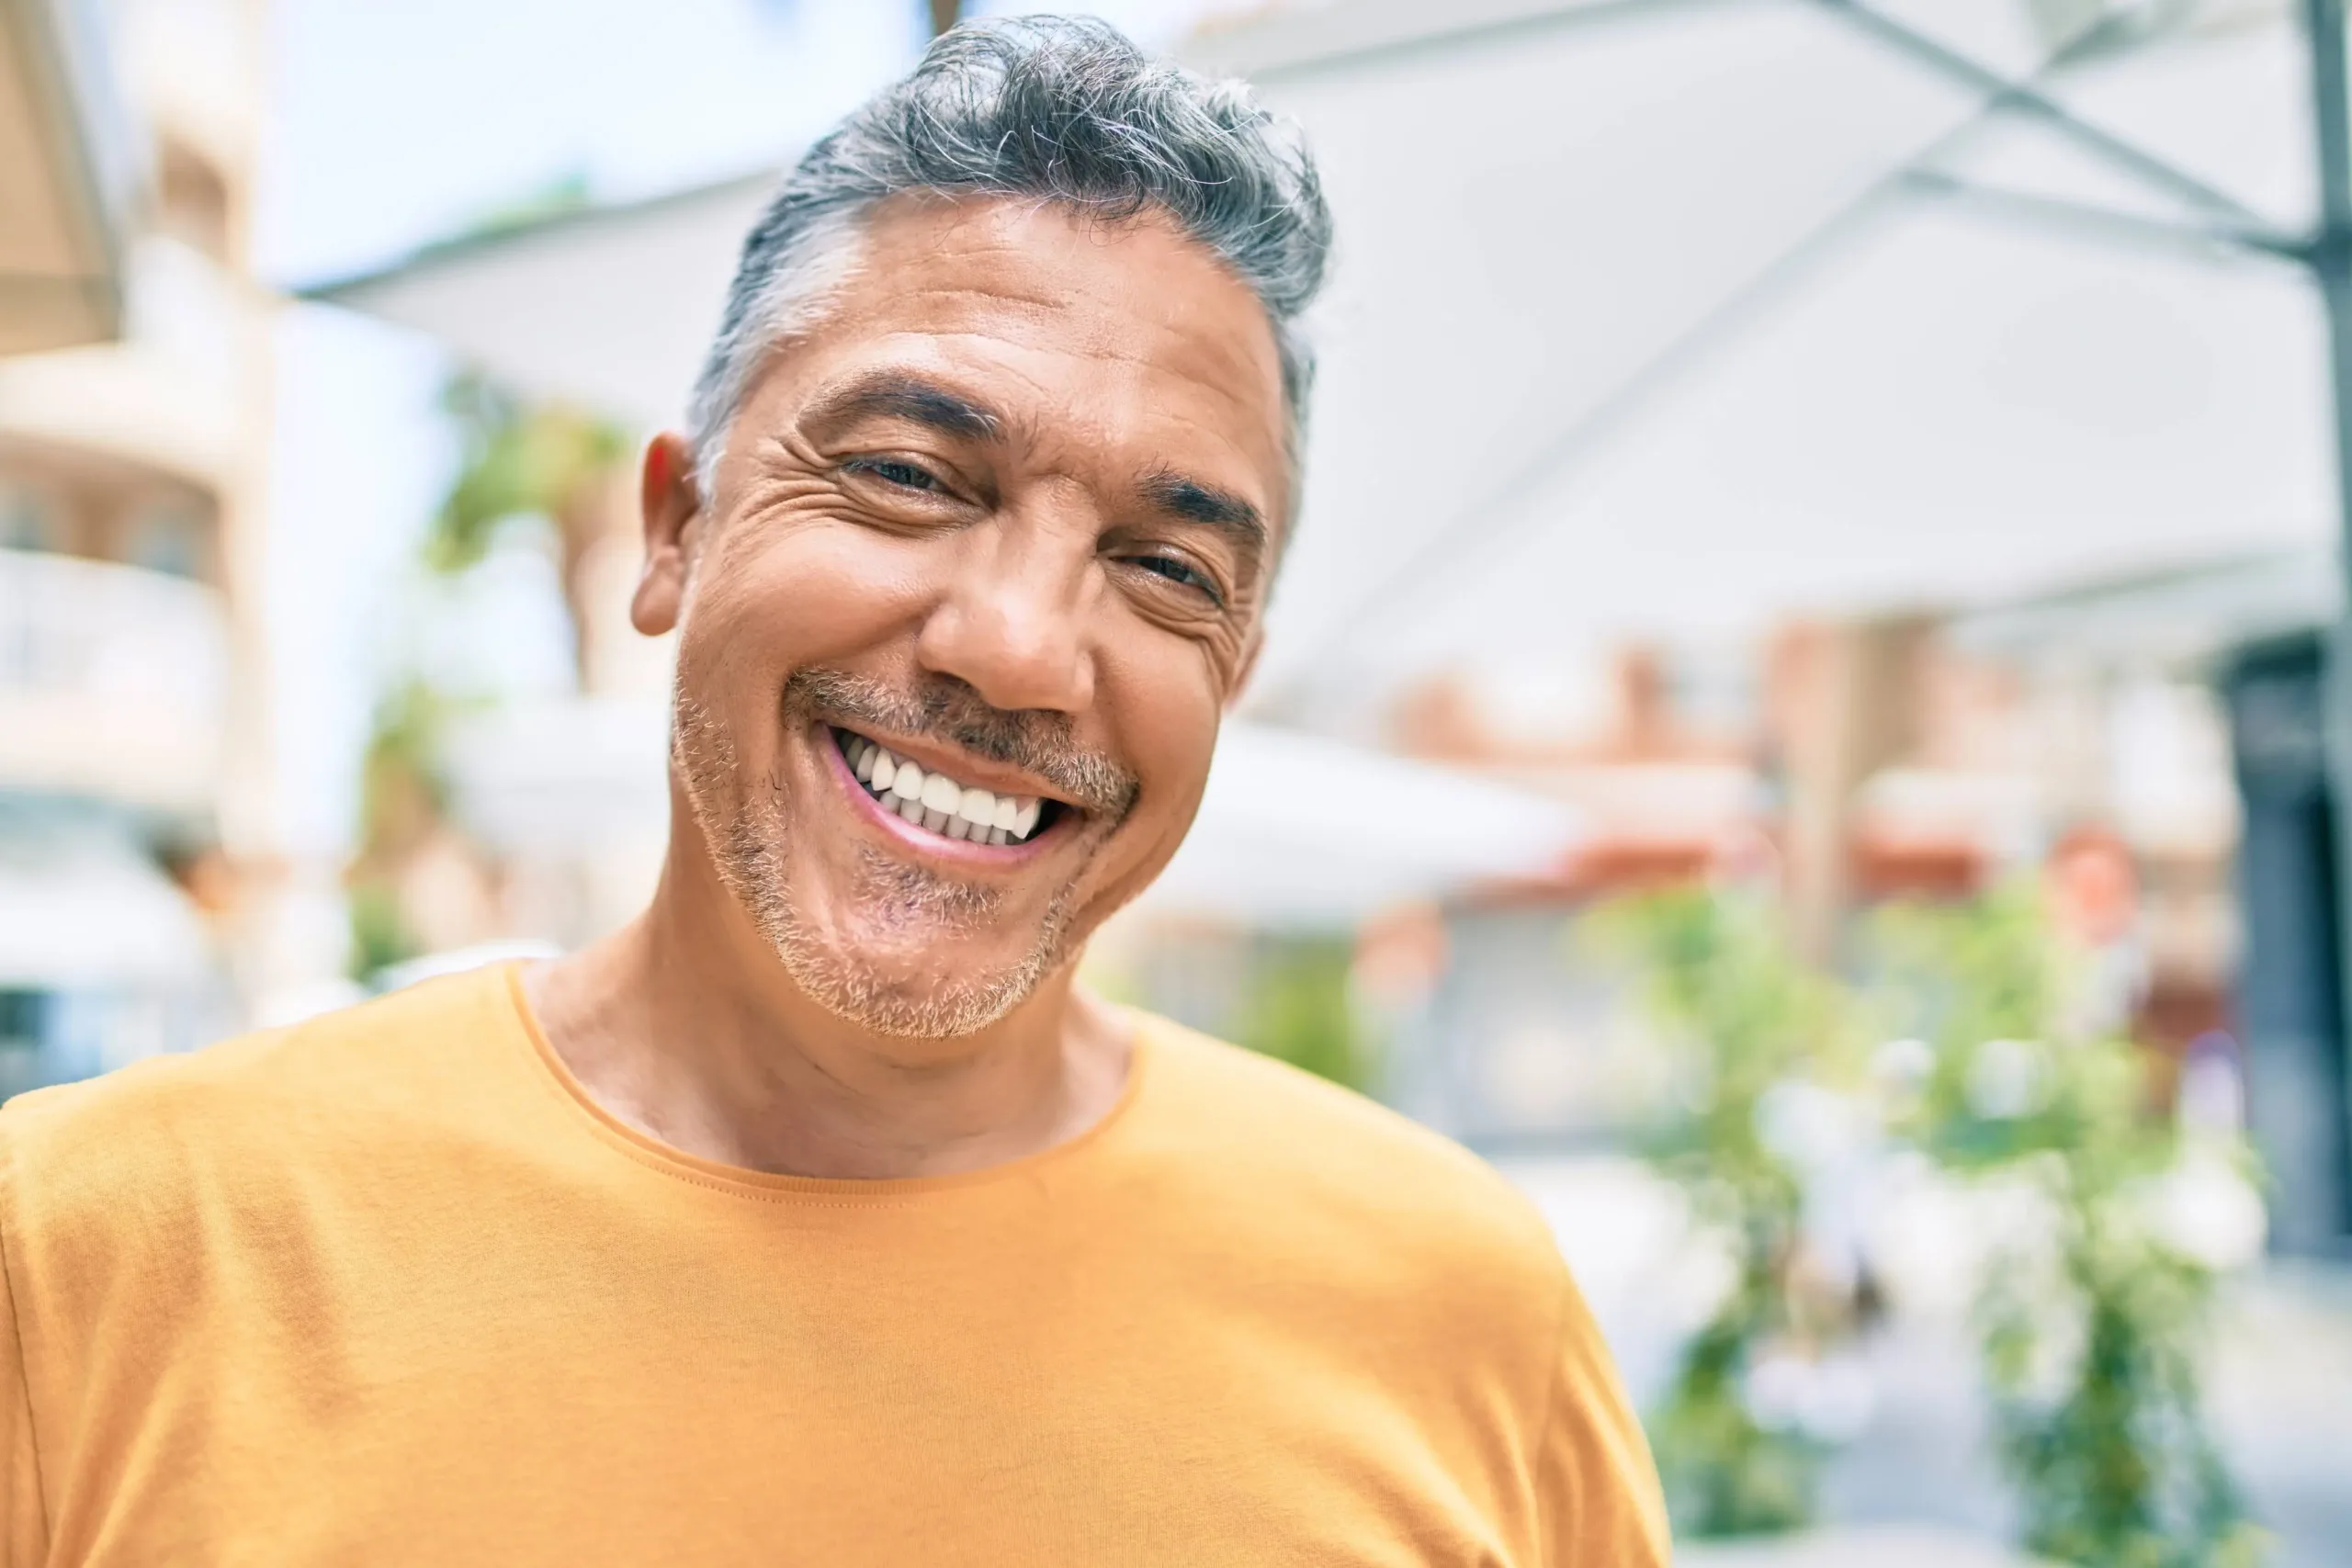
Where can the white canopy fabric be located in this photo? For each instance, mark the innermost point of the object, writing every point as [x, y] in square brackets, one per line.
[1303, 832]
[610, 308]
[1645, 319]
[1656, 317]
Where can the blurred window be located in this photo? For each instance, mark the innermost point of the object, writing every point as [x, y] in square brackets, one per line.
[24, 1016]
[21, 1013]
[168, 538]
[29, 520]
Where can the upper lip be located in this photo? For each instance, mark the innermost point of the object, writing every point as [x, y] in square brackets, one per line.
[962, 766]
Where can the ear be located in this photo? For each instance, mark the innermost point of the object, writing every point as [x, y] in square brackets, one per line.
[674, 511]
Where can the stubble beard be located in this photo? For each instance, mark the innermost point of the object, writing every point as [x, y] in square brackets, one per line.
[908, 908]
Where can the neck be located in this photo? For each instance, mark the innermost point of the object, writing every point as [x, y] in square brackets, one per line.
[686, 1026]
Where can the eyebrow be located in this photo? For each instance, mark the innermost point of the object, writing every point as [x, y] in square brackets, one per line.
[1196, 503]
[892, 394]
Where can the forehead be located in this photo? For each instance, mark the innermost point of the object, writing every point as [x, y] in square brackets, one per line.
[1123, 334]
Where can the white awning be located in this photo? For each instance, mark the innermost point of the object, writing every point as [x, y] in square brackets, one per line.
[610, 308]
[1298, 830]
[1675, 317]
[1662, 316]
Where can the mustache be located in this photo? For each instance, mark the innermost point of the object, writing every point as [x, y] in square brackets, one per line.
[1037, 740]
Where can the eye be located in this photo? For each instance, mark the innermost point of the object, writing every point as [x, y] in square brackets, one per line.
[896, 471]
[1183, 573]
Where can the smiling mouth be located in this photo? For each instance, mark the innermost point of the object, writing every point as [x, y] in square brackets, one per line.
[942, 805]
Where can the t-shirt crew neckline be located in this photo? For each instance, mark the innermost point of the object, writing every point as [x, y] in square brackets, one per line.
[774, 1187]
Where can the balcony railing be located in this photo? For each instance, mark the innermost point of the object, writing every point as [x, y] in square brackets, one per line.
[113, 682]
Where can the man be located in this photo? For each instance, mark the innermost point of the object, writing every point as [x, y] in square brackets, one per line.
[819, 1216]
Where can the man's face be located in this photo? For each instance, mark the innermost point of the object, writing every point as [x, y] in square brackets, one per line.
[1005, 513]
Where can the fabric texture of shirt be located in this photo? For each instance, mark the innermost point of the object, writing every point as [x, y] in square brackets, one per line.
[387, 1287]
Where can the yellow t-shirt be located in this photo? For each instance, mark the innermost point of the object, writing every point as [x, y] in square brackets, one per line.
[390, 1288]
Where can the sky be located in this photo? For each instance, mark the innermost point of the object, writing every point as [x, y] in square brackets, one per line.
[389, 127]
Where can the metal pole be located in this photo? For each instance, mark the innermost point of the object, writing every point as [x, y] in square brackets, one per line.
[2027, 98]
[2330, 258]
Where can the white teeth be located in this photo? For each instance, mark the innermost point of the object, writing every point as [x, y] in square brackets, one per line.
[939, 802]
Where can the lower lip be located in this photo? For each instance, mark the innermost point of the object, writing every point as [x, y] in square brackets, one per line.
[959, 851]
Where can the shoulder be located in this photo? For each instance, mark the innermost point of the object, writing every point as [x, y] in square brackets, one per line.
[1346, 1173]
[135, 1135]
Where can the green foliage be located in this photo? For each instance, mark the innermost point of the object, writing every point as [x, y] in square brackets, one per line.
[379, 933]
[1742, 1015]
[1724, 1473]
[2092, 1311]
[402, 797]
[518, 459]
[1297, 1007]
[401, 769]
[2091, 1317]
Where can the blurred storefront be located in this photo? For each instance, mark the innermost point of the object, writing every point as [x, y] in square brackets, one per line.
[136, 860]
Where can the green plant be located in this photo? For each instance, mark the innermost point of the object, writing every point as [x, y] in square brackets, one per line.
[525, 459]
[2092, 1314]
[402, 800]
[379, 933]
[1743, 1018]
[1296, 1007]
[517, 459]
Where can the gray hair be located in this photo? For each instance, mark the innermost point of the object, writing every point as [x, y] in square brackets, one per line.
[1054, 108]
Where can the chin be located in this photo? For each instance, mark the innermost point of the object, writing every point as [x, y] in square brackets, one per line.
[913, 1002]
[882, 971]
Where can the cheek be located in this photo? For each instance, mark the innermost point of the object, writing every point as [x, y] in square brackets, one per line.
[1168, 706]
[790, 597]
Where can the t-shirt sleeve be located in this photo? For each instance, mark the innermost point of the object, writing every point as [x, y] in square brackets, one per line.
[1597, 1489]
[23, 1523]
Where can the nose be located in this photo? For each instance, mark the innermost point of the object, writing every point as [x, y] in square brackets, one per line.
[1012, 621]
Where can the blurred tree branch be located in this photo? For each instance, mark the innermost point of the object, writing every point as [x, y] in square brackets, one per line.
[523, 459]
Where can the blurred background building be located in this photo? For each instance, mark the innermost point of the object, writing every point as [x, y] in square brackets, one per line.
[135, 854]
[1888, 457]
